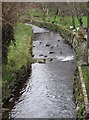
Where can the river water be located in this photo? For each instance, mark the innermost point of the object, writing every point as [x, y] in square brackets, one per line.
[48, 92]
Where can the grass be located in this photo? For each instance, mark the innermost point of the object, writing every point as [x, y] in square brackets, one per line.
[86, 78]
[35, 13]
[19, 55]
[38, 15]
[68, 21]
[78, 96]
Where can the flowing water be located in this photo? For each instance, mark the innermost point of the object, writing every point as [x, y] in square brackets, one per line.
[48, 92]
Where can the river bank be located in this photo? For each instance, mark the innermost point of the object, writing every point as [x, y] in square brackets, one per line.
[19, 61]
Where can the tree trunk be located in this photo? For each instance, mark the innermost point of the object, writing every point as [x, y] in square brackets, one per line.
[80, 21]
[58, 12]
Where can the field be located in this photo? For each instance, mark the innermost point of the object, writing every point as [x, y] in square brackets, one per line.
[38, 15]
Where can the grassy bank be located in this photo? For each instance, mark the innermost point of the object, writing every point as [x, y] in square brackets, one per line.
[38, 15]
[19, 57]
[20, 54]
[78, 96]
[86, 78]
[68, 20]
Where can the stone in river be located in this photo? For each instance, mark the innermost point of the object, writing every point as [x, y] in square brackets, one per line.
[61, 52]
[33, 55]
[45, 56]
[57, 45]
[51, 52]
[58, 40]
[47, 45]
[51, 47]
[41, 55]
[41, 61]
[51, 59]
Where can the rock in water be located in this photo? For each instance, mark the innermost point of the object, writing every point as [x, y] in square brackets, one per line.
[41, 60]
[41, 55]
[57, 45]
[4, 109]
[45, 56]
[61, 52]
[58, 40]
[51, 52]
[51, 59]
[51, 47]
[33, 55]
[47, 45]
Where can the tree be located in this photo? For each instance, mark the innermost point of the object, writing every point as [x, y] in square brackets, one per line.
[9, 18]
[81, 10]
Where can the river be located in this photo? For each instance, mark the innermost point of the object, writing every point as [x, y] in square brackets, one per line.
[48, 92]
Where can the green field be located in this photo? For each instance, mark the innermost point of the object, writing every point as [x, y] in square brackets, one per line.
[38, 15]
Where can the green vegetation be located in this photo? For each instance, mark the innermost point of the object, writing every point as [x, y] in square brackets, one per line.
[37, 15]
[78, 96]
[68, 20]
[86, 78]
[19, 55]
